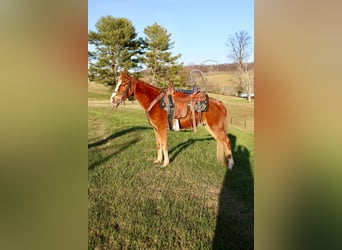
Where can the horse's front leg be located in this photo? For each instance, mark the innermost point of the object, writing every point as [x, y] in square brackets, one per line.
[163, 138]
[166, 156]
[159, 146]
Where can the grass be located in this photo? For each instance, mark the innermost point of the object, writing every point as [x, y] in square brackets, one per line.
[225, 79]
[98, 91]
[195, 203]
[221, 82]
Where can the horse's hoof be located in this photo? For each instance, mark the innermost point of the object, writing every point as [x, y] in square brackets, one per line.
[230, 163]
[157, 161]
[164, 165]
[230, 166]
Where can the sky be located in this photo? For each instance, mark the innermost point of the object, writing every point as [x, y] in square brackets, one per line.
[200, 29]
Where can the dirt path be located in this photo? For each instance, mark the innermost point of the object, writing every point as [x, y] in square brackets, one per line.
[105, 103]
[97, 103]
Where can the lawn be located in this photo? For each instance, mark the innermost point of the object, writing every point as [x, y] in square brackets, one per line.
[194, 203]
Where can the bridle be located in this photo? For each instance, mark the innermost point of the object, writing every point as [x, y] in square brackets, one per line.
[125, 94]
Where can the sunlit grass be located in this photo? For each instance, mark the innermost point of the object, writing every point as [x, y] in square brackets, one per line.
[135, 204]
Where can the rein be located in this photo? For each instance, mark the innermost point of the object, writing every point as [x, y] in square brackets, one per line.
[124, 96]
[128, 88]
[113, 109]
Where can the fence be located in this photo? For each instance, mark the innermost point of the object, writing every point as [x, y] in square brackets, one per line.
[241, 117]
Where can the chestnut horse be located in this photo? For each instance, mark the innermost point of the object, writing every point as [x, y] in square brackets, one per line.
[147, 95]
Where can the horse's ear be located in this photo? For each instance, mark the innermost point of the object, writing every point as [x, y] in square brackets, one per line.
[122, 73]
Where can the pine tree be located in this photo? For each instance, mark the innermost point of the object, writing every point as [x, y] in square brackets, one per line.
[158, 58]
[117, 48]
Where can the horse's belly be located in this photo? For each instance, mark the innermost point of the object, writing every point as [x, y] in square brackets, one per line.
[185, 122]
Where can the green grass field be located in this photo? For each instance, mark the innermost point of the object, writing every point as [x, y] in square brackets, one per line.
[194, 203]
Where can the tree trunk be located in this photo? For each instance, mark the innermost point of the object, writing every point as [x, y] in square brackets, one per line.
[114, 68]
[248, 82]
[114, 74]
[248, 91]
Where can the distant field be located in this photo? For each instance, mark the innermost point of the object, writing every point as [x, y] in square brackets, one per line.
[220, 82]
[98, 91]
[195, 203]
[221, 78]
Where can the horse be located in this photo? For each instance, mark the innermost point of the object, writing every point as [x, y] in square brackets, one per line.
[214, 120]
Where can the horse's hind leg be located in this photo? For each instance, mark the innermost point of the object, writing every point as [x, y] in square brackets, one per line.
[224, 152]
[224, 140]
[230, 155]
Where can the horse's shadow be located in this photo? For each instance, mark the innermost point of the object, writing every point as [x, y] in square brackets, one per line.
[116, 135]
[96, 158]
[181, 146]
[235, 218]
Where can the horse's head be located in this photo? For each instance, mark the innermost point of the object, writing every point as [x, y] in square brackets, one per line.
[123, 90]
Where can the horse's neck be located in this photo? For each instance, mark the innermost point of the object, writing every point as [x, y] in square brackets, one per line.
[145, 93]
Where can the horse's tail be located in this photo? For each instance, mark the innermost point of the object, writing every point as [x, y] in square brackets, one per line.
[221, 154]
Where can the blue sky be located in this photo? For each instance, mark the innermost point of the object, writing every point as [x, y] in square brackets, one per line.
[200, 29]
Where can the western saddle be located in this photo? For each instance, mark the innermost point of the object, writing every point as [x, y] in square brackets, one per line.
[178, 103]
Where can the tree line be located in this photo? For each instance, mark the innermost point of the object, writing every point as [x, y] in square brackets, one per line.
[116, 46]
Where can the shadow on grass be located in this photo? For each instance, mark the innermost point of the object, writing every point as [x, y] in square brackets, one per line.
[235, 219]
[181, 146]
[99, 159]
[116, 135]
[96, 158]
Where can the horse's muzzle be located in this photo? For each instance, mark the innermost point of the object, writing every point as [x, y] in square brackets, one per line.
[115, 101]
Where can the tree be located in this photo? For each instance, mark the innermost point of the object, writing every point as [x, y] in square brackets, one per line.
[239, 45]
[91, 57]
[158, 58]
[117, 48]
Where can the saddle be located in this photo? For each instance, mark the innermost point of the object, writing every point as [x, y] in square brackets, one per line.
[179, 102]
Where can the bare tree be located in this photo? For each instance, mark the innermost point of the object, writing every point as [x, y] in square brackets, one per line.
[240, 48]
